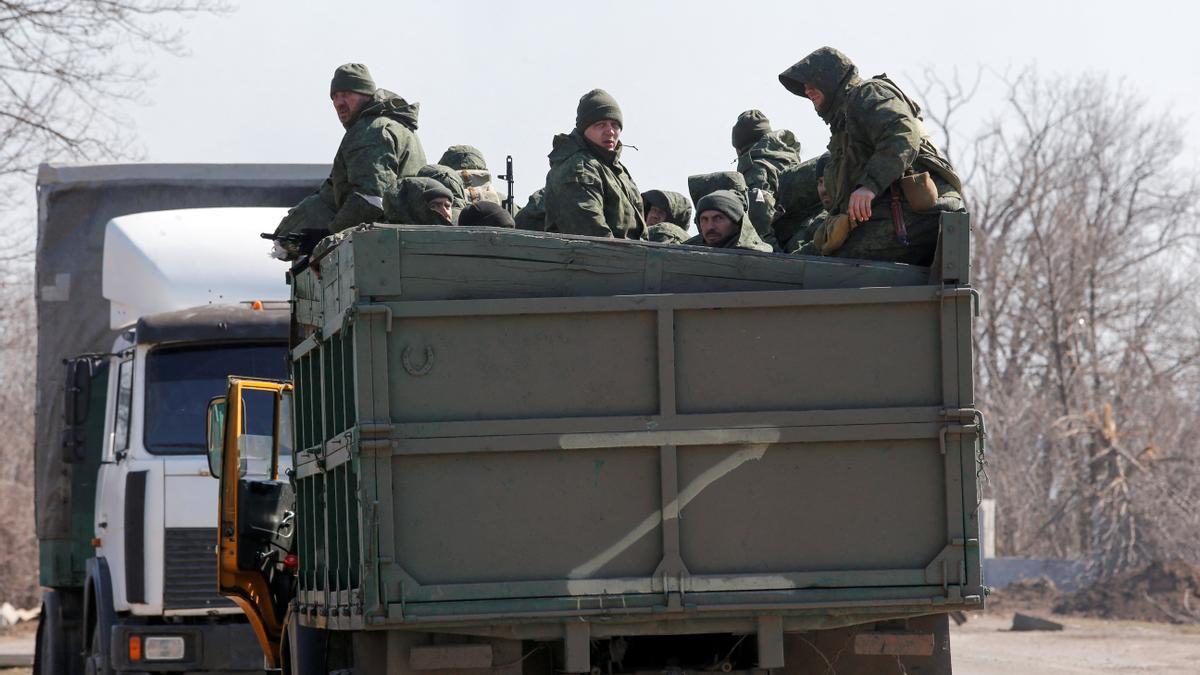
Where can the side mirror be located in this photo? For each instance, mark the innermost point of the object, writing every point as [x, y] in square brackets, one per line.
[215, 422]
[77, 392]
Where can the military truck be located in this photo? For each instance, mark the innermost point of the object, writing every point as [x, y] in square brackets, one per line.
[524, 453]
[139, 312]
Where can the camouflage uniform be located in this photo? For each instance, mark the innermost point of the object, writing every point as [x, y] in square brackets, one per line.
[763, 154]
[449, 178]
[733, 205]
[760, 203]
[675, 205]
[408, 203]
[876, 137]
[533, 215]
[798, 205]
[468, 162]
[667, 233]
[588, 190]
[380, 147]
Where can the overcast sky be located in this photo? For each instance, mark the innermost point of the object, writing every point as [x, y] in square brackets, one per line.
[506, 76]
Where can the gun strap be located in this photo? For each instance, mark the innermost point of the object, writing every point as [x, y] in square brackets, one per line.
[898, 214]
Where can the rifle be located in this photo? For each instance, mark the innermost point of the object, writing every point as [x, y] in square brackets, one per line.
[507, 177]
[297, 244]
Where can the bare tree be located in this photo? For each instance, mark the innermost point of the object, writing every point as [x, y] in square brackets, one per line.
[1086, 225]
[67, 67]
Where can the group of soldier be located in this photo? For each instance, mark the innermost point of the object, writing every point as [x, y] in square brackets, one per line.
[876, 193]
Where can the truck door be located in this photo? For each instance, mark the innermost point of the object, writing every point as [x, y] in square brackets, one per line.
[249, 430]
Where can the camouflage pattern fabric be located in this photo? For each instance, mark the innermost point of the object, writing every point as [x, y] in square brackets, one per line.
[589, 191]
[406, 204]
[478, 183]
[675, 205]
[459, 157]
[667, 233]
[449, 178]
[768, 157]
[747, 239]
[876, 136]
[760, 204]
[380, 147]
[797, 204]
[533, 215]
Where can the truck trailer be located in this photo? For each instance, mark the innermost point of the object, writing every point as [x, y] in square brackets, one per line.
[152, 281]
[523, 453]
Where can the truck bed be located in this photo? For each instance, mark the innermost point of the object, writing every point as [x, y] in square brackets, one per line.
[511, 430]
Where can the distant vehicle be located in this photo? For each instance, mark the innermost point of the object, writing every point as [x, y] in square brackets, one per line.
[141, 314]
[526, 454]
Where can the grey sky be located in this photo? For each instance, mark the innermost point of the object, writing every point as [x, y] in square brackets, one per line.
[506, 76]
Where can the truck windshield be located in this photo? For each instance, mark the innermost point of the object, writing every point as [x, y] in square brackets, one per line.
[181, 380]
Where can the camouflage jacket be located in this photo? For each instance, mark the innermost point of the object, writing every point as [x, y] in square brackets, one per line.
[770, 155]
[747, 239]
[676, 206]
[590, 193]
[533, 215]
[380, 147]
[798, 202]
[876, 134]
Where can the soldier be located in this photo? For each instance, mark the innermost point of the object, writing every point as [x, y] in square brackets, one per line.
[486, 214]
[723, 222]
[533, 215]
[450, 179]
[588, 190]
[763, 154]
[761, 204]
[663, 206]
[887, 183]
[419, 200]
[468, 161]
[380, 147]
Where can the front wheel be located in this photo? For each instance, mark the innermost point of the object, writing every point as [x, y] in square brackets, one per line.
[97, 661]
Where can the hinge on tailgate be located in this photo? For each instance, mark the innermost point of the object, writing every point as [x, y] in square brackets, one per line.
[976, 425]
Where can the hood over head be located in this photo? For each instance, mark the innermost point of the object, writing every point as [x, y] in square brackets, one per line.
[706, 183]
[388, 104]
[826, 69]
[449, 178]
[676, 206]
[751, 125]
[460, 157]
[408, 204]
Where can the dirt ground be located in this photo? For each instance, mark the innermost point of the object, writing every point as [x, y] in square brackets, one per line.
[985, 646]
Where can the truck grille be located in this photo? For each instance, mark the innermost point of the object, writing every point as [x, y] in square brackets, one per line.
[190, 569]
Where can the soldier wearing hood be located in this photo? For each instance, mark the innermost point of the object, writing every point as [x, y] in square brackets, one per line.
[663, 206]
[380, 147]
[763, 154]
[723, 222]
[450, 180]
[472, 170]
[880, 161]
[419, 200]
[588, 190]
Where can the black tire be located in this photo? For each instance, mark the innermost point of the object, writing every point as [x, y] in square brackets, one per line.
[96, 661]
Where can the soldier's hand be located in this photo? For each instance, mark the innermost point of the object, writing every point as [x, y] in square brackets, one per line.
[860, 204]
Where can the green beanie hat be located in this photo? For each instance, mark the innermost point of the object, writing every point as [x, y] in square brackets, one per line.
[724, 201]
[597, 105]
[352, 77]
[751, 126]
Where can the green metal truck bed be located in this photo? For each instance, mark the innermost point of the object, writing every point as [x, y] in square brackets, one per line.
[501, 432]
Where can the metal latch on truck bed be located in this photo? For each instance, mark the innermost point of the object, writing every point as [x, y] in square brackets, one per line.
[961, 291]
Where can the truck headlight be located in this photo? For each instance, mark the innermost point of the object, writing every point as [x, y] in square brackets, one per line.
[163, 648]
